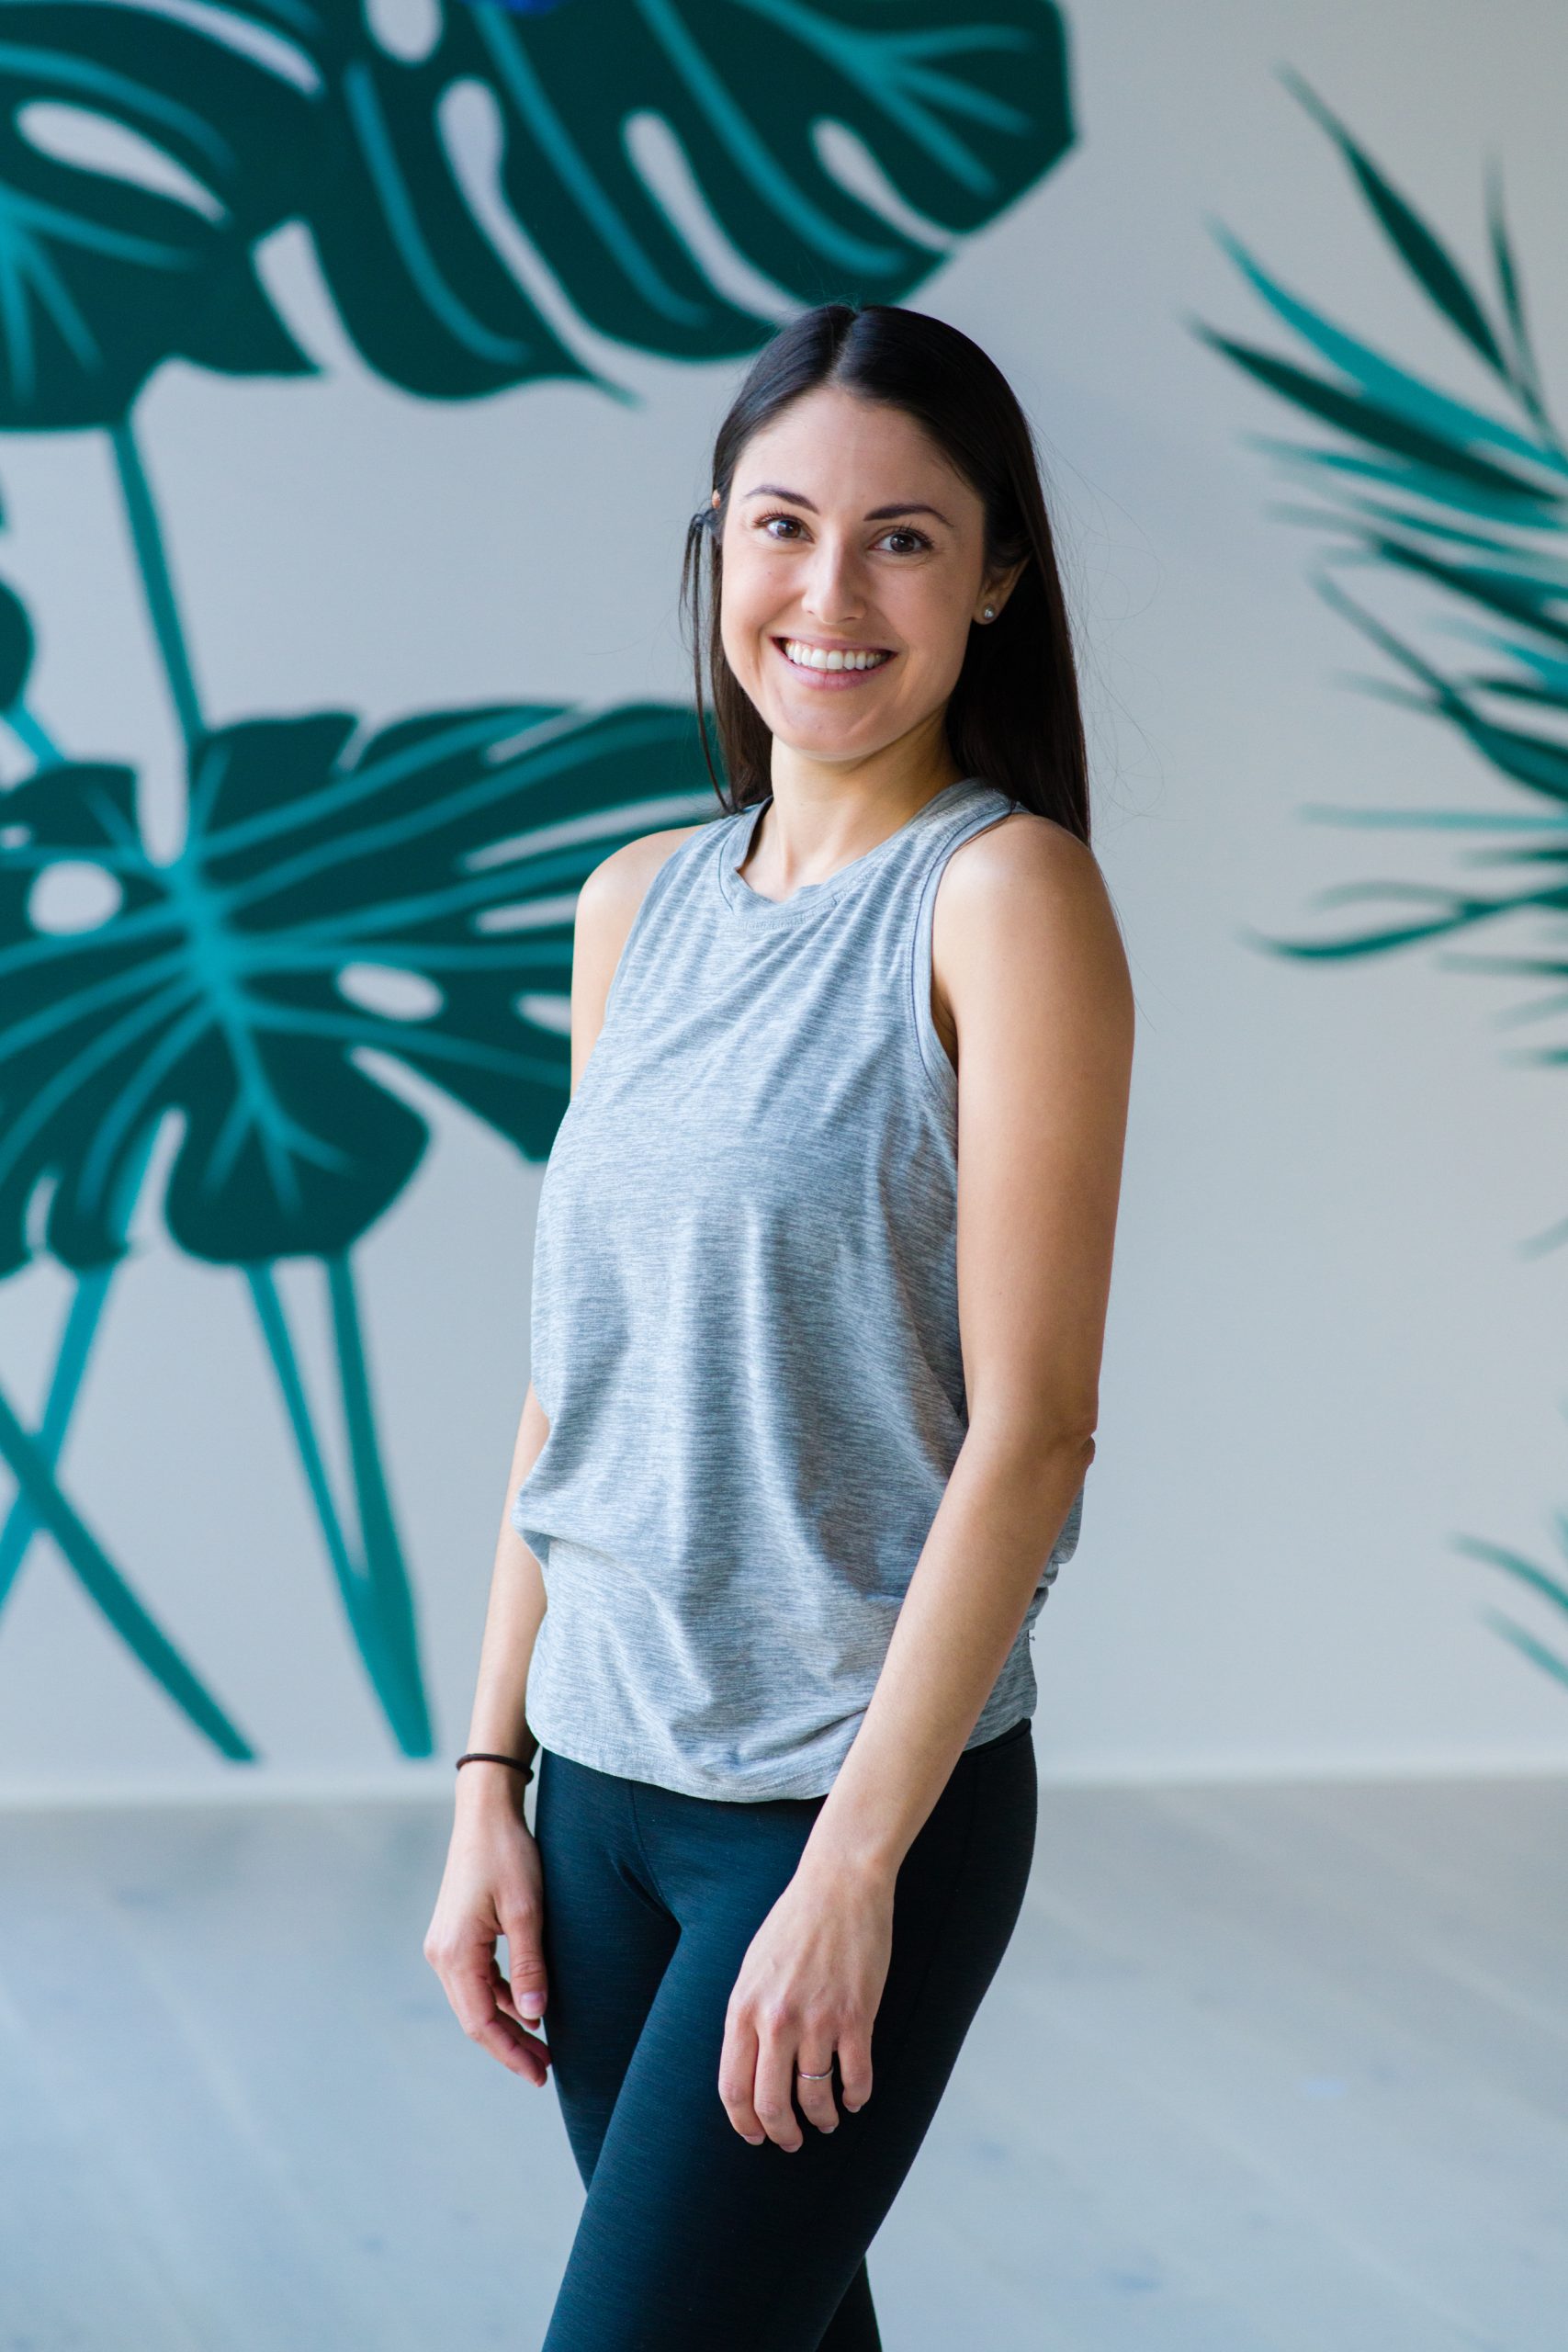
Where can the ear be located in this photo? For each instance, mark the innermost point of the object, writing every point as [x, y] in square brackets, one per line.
[999, 587]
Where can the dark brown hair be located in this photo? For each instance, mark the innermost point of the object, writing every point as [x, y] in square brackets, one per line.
[1014, 715]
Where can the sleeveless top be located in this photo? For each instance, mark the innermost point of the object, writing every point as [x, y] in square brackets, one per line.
[745, 1323]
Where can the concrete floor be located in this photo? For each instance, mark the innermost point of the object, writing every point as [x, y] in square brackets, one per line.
[1266, 2069]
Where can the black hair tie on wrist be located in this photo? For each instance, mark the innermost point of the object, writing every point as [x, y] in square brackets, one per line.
[481, 1756]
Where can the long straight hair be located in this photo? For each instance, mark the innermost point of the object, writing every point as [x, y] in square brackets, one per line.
[1014, 717]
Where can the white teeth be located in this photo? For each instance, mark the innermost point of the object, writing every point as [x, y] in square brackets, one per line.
[813, 657]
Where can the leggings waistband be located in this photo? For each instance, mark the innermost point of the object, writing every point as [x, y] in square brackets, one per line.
[1019, 1730]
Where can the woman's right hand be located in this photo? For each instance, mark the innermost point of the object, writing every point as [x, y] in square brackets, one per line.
[492, 1885]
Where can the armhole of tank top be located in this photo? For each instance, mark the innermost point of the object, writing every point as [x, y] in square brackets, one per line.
[651, 898]
[943, 1078]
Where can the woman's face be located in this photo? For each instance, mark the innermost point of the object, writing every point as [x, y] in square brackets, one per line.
[849, 532]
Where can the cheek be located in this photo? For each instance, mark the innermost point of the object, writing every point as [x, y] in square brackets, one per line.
[926, 609]
[946, 657]
[740, 642]
[740, 606]
[936, 643]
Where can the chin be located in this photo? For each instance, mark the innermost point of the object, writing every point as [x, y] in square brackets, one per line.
[821, 743]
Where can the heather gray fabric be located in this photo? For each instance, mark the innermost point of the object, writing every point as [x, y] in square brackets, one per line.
[745, 1324]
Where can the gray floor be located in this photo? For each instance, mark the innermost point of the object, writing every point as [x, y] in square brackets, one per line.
[1266, 2069]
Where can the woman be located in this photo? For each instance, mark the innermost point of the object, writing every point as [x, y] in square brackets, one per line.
[810, 1413]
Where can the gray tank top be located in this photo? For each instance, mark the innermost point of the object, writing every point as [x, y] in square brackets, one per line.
[745, 1324]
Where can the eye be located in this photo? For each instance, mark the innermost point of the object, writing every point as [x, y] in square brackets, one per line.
[914, 541]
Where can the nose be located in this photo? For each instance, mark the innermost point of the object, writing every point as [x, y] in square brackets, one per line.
[834, 593]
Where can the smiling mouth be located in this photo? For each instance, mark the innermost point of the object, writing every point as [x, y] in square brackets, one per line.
[817, 662]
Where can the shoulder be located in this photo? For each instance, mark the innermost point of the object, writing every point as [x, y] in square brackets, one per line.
[620, 881]
[1019, 854]
[607, 907]
[608, 901]
[1023, 904]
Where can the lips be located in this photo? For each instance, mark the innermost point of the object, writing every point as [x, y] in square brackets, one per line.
[846, 674]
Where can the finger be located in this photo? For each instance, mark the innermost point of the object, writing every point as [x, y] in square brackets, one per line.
[469, 1990]
[773, 2097]
[515, 2050]
[507, 2042]
[816, 2098]
[854, 2068]
[738, 2076]
[525, 1964]
[501, 1993]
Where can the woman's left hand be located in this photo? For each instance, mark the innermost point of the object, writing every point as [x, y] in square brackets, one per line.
[809, 1985]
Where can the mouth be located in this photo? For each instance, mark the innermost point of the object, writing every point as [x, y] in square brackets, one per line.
[834, 667]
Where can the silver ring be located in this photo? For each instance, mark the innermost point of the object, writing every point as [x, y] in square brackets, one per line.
[814, 2078]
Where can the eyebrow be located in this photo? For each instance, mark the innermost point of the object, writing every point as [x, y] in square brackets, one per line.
[875, 514]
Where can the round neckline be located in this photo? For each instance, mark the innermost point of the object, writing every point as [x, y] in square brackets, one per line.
[806, 897]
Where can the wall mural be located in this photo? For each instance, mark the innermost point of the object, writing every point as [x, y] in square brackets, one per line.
[407, 884]
[1471, 504]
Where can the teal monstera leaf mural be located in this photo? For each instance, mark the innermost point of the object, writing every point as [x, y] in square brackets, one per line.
[104, 276]
[324, 899]
[961, 111]
[1426, 489]
[495, 197]
[424, 156]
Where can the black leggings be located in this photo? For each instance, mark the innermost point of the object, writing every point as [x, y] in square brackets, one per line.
[692, 2239]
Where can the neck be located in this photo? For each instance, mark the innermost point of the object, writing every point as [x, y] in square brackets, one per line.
[901, 775]
[826, 812]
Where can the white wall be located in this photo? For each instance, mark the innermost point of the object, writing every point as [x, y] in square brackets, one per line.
[1326, 1356]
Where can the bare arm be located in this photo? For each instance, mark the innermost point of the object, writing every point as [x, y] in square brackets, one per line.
[1039, 992]
[493, 1886]
[606, 906]
[1031, 963]
[516, 1611]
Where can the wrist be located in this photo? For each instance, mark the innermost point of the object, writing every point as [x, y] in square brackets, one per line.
[830, 1856]
[479, 1808]
[485, 1782]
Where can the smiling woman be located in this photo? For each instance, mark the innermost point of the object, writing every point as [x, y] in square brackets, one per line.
[890, 502]
[810, 1417]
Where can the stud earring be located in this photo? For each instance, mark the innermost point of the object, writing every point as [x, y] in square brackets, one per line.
[990, 613]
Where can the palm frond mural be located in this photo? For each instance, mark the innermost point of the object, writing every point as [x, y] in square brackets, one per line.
[1427, 489]
[496, 196]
